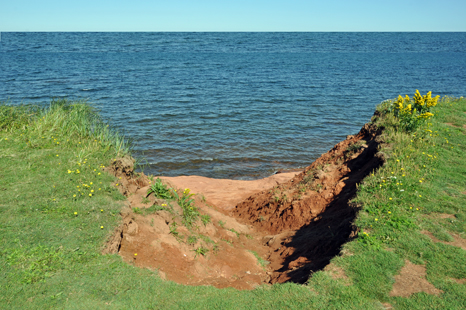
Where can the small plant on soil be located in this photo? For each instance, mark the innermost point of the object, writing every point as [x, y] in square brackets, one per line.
[145, 200]
[190, 212]
[353, 148]
[309, 178]
[205, 219]
[173, 226]
[160, 190]
[262, 262]
[206, 239]
[316, 187]
[154, 208]
[192, 240]
[201, 251]
[237, 233]
[302, 188]
[221, 224]
[137, 210]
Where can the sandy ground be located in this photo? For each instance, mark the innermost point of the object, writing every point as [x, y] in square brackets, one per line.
[225, 194]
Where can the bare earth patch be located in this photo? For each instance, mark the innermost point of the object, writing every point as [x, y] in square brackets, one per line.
[411, 280]
[337, 273]
[278, 229]
[458, 241]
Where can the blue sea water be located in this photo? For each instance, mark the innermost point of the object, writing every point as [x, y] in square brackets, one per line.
[231, 105]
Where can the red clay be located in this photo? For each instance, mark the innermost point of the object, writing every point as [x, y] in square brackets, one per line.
[297, 222]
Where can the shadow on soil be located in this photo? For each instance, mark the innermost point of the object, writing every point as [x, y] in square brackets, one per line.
[321, 240]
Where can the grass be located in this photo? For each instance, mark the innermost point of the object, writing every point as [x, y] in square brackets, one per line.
[55, 197]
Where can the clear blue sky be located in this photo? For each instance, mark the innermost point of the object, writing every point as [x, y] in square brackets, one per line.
[233, 15]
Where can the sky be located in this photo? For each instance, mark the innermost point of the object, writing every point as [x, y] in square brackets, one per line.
[233, 15]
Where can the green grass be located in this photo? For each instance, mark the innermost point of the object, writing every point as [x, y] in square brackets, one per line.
[55, 197]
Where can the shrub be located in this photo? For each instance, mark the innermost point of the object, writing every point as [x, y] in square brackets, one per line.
[413, 112]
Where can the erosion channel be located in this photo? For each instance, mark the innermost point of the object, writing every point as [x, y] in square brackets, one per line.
[281, 229]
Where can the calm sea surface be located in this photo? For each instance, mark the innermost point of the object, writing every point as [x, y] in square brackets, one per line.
[231, 105]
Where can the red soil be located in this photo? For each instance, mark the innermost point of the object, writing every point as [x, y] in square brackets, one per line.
[295, 221]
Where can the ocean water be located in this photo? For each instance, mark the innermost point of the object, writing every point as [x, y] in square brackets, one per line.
[231, 105]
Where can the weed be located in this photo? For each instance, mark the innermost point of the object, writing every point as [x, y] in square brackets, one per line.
[173, 226]
[302, 188]
[309, 177]
[154, 208]
[190, 212]
[160, 190]
[262, 262]
[227, 241]
[206, 239]
[201, 251]
[237, 233]
[137, 210]
[221, 224]
[145, 200]
[205, 219]
[192, 240]
[354, 147]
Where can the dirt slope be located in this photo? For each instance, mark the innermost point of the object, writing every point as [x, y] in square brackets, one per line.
[297, 225]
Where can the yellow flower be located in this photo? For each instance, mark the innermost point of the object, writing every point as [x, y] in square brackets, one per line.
[101, 227]
[376, 219]
[90, 195]
[75, 213]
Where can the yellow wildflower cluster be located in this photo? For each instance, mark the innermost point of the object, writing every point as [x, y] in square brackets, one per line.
[411, 112]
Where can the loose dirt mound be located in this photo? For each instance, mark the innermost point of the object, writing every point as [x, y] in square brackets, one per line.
[285, 230]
